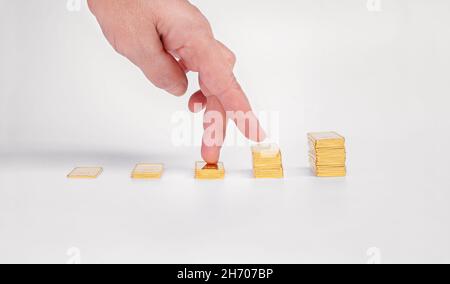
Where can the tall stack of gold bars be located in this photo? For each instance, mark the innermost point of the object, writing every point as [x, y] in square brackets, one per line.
[327, 154]
[267, 161]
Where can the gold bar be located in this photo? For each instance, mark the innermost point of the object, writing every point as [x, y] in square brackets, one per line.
[147, 171]
[85, 173]
[206, 171]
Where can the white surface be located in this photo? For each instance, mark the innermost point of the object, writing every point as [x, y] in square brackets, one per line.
[381, 79]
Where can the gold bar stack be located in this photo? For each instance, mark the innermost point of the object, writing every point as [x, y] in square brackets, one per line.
[147, 171]
[267, 161]
[206, 171]
[327, 154]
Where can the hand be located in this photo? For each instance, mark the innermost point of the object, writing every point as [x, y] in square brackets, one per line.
[166, 39]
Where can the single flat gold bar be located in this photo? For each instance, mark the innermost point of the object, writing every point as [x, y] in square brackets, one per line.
[265, 151]
[329, 171]
[208, 171]
[147, 171]
[326, 140]
[321, 175]
[325, 174]
[277, 160]
[268, 174]
[327, 161]
[328, 152]
[85, 173]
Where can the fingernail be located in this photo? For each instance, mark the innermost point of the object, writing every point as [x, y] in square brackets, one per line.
[177, 90]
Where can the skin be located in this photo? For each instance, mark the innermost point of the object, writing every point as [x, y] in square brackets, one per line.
[168, 38]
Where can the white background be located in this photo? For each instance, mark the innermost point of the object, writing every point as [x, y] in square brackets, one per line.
[379, 78]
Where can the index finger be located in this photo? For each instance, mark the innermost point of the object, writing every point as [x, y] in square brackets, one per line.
[238, 109]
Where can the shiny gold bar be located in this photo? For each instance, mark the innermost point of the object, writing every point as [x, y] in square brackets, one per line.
[330, 173]
[327, 154]
[266, 151]
[327, 161]
[147, 171]
[326, 140]
[85, 173]
[268, 174]
[206, 171]
[267, 161]
[329, 170]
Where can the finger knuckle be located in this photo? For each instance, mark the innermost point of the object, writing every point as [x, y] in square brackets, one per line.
[231, 57]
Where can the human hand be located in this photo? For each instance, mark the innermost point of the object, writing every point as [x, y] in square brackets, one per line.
[166, 39]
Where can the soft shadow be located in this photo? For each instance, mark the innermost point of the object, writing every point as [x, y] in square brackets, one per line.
[242, 173]
[95, 158]
[298, 172]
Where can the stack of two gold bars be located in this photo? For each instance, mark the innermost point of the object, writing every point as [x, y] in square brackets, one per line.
[267, 161]
[327, 154]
